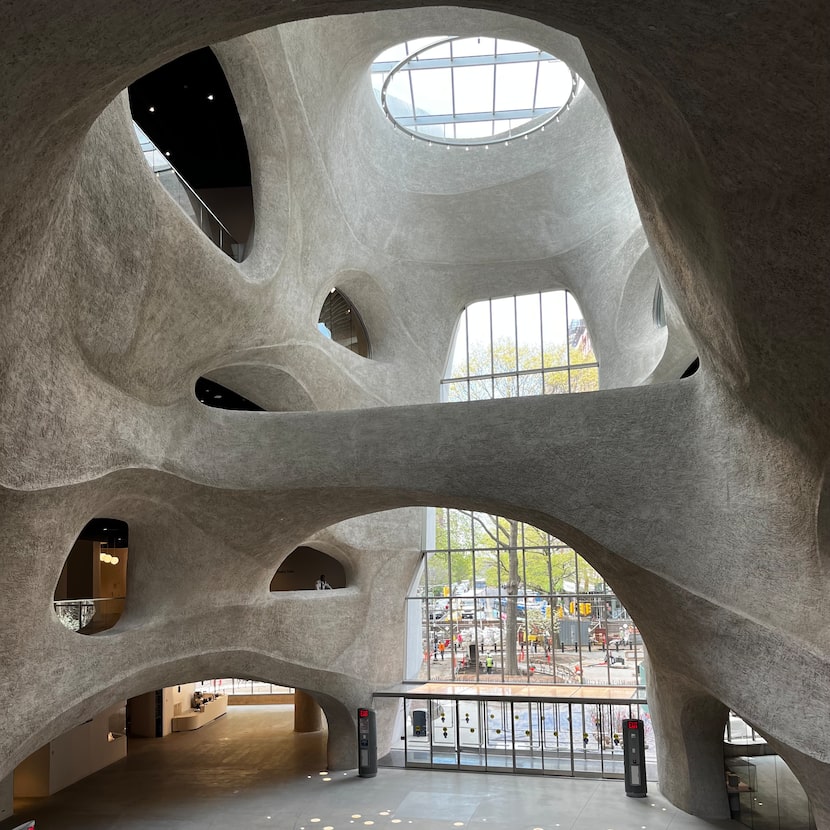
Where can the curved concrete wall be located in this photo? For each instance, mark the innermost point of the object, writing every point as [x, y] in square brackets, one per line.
[700, 501]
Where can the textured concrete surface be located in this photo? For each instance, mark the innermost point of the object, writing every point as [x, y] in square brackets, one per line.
[703, 502]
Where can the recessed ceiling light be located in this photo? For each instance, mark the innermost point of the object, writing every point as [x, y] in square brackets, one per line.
[210, 97]
[152, 109]
[167, 153]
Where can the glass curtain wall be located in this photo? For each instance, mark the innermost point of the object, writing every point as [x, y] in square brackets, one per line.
[535, 344]
[579, 738]
[240, 686]
[500, 600]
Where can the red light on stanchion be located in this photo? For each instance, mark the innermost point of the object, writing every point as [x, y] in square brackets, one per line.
[363, 713]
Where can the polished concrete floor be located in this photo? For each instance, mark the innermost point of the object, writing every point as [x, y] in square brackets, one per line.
[249, 770]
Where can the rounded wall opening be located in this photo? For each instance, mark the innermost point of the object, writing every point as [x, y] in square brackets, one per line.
[92, 587]
[305, 568]
[470, 90]
[212, 393]
[341, 323]
[253, 387]
[190, 132]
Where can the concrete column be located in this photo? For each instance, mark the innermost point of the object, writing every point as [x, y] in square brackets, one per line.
[688, 727]
[308, 716]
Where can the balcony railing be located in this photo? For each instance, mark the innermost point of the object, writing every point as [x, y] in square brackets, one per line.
[89, 616]
[187, 198]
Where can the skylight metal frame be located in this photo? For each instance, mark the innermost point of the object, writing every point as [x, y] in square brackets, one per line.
[413, 62]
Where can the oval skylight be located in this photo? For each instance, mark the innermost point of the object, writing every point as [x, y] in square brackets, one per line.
[470, 90]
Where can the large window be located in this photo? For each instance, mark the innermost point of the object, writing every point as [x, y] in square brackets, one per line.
[535, 344]
[500, 600]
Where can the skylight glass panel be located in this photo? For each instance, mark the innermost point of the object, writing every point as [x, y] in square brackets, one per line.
[469, 46]
[433, 91]
[555, 81]
[441, 49]
[419, 43]
[473, 129]
[471, 90]
[394, 53]
[515, 86]
[513, 47]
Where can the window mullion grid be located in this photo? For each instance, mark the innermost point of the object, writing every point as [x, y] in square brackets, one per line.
[525, 622]
[467, 338]
[452, 93]
[495, 78]
[473, 556]
[578, 626]
[516, 347]
[541, 343]
[568, 337]
[492, 355]
[412, 99]
[536, 82]
[552, 652]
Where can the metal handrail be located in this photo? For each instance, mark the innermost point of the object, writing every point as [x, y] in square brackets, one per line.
[234, 248]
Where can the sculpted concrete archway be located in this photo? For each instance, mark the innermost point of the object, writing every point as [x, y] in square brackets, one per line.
[679, 491]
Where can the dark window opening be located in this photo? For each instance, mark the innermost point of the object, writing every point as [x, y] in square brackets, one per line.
[340, 322]
[303, 569]
[194, 141]
[92, 587]
[693, 367]
[214, 394]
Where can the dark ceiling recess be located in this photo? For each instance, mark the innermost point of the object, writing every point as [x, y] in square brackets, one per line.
[112, 531]
[693, 367]
[214, 394]
[186, 109]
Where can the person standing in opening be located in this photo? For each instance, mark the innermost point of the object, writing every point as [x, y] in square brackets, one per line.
[321, 584]
[489, 663]
[441, 647]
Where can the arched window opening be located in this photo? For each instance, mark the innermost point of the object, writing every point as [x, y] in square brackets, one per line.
[305, 568]
[211, 393]
[501, 601]
[191, 135]
[534, 344]
[92, 587]
[340, 322]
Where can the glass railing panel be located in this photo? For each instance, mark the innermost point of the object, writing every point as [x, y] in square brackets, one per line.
[89, 616]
